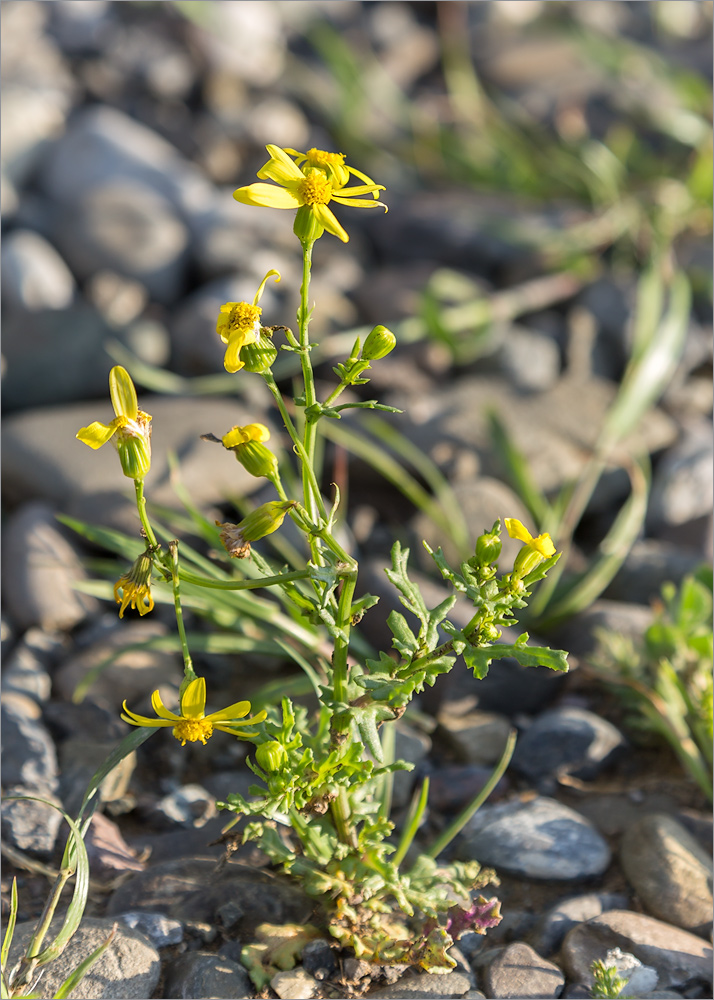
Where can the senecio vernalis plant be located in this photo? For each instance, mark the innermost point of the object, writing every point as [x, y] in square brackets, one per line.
[322, 778]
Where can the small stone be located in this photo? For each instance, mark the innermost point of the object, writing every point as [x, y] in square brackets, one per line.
[161, 930]
[294, 984]
[29, 756]
[683, 481]
[669, 871]
[424, 986]
[519, 971]
[188, 806]
[128, 970]
[207, 975]
[25, 669]
[566, 741]
[477, 737]
[679, 958]
[39, 569]
[650, 563]
[530, 359]
[318, 958]
[536, 838]
[28, 824]
[34, 276]
[579, 636]
[548, 936]
[107, 850]
[452, 786]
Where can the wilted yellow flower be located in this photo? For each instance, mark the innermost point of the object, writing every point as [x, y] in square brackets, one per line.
[536, 548]
[308, 182]
[262, 521]
[131, 426]
[246, 443]
[239, 325]
[193, 724]
[136, 586]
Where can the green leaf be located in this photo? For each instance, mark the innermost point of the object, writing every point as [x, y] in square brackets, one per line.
[404, 639]
[478, 658]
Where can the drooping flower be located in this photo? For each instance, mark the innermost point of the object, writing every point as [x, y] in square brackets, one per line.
[535, 551]
[130, 429]
[262, 521]
[246, 443]
[308, 182]
[193, 724]
[135, 586]
[239, 325]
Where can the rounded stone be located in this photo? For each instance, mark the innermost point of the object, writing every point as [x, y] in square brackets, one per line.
[519, 971]
[669, 871]
[207, 975]
[566, 740]
[537, 838]
[34, 276]
[128, 970]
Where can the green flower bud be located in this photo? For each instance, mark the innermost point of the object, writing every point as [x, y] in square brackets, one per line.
[488, 548]
[257, 459]
[306, 227]
[259, 357]
[271, 756]
[379, 343]
[266, 519]
[135, 448]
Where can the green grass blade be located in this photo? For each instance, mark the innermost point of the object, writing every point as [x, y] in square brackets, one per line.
[518, 471]
[411, 824]
[75, 978]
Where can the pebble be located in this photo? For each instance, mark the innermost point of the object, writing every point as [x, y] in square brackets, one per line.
[529, 359]
[206, 975]
[453, 785]
[519, 971]
[536, 838]
[29, 756]
[579, 637]
[34, 276]
[683, 482]
[89, 484]
[39, 569]
[650, 563]
[26, 668]
[319, 959]
[566, 741]
[107, 850]
[195, 889]
[294, 984]
[552, 927]
[128, 970]
[161, 930]
[29, 825]
[669, 871]
[188, 806]
[476, 737]
[679, 958]
[424, 986]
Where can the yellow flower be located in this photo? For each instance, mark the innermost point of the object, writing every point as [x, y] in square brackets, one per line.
[242, 435]
[246, 443]
[264, 520]
[239, 325]
[536, 548]
[136, 586]
[193, 724]
[131, 426]
[309, 182]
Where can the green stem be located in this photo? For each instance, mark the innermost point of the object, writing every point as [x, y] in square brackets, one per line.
[340, 667]
[263, 581]
[141, 507]
[189, 672]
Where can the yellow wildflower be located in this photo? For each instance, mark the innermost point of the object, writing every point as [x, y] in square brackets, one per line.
[246, 443]
[264, 520]
[239, 325]
[136, 586]
[131, 426]
[309, 182]
[193, 724]
[535, 551]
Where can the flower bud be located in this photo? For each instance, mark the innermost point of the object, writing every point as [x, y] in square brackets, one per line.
[271, 756]
[488, 548]
[306, 227]
[266, 519]
[259, 356]
[133, 442]
[379, 343]
[257, 459]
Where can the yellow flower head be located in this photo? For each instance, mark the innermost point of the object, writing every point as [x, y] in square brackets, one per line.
[309, 182]
[536, 548]
[131, 428]
[239, 325]
[242, 435]
[136, 586]
[193, 724]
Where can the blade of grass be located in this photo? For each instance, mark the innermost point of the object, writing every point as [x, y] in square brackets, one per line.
[518, 472]
[411, 824]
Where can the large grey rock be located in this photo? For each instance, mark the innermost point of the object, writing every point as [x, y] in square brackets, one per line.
[424, 986]
[128, 970]
[537, 838]
[40, 567]
[34, 276]
[683, 481]
[566, 740]
[680, 958]
[519, 971]
[29, 756]
[26, 668]
[552, 927]
[669, 871]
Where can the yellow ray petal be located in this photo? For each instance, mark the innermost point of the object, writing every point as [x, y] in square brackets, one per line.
[236, 711]
[123, 393]
[516, 529]
[267, 196]
[328, 221]
[193, 702]
[97, 433]
[280, 168]
[161, 710]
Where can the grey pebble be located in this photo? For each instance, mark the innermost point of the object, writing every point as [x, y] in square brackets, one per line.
[579, 635]
[683, 481]
[566, 740]
[650, 563]
[475, 737]
[27, 668]
[669, 871]
[537, 838]
[161, 930]
[39, 569]
[424, 986]
[128, 970]
[29, 756]
[519, 971]
[552, 927]
[34, 276]
[679, 958]
[206, 975]
[188, 806]
[294, 984]
[30, 825]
